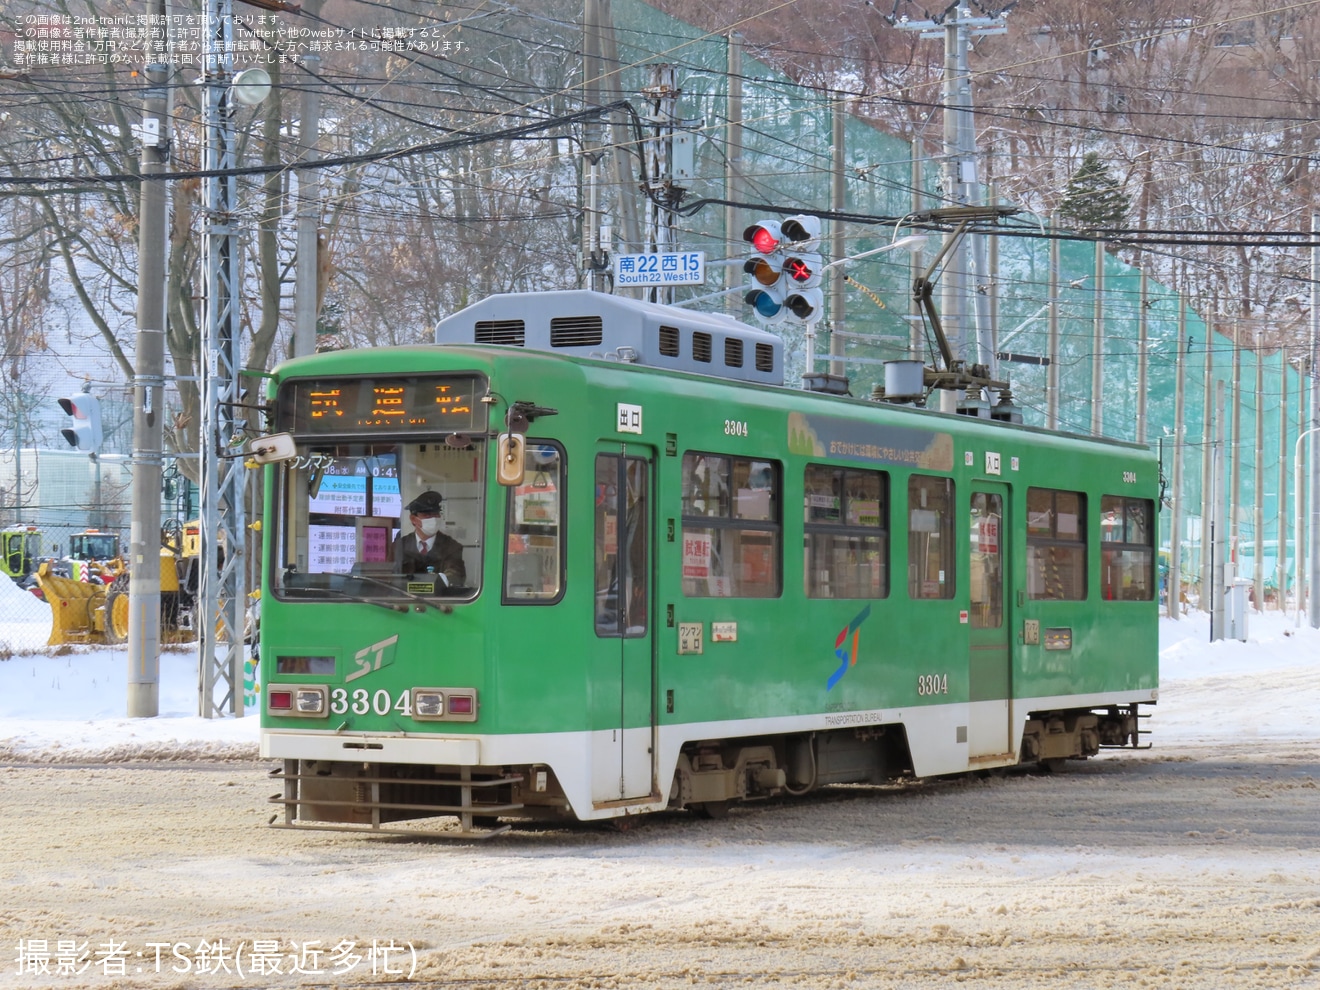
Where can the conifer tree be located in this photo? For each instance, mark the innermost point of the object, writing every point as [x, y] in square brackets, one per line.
[1093, 197]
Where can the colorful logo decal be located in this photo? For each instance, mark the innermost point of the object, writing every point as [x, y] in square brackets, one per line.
[846, 653]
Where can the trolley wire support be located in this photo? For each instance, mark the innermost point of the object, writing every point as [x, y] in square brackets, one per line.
[952, 373]
[223, 561]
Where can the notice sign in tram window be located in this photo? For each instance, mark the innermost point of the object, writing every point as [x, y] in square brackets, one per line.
[337, 406]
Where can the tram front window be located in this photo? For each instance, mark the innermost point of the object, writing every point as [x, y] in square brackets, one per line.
[362, 520]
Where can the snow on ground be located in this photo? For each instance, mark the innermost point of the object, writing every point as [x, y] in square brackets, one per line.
[72, 706]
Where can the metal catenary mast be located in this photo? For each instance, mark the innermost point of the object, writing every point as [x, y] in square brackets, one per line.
[223, 561]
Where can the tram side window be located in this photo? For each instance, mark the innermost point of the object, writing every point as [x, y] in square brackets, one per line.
[930, 537]
[1056, 545]
[731, 527]
[846, 540]
[1127, 549]
[533, 566]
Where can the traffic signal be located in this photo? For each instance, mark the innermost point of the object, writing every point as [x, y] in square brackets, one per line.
[85, 434]
[785, 269]
[806, 305]
[801, 232]
[764, 236]
[802, 271]
[802, 268]
[765, 293]
[803, 300]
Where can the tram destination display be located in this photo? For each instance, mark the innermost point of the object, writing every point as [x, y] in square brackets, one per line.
[334, 406]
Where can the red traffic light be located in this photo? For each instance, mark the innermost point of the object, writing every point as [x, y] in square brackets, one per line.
[764, 236]
[803, 270]
[798, 270]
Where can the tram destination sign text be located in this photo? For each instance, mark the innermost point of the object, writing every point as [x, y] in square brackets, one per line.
[332, 406]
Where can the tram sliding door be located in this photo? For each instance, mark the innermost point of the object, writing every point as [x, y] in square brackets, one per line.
[624, 547]
[989, 734]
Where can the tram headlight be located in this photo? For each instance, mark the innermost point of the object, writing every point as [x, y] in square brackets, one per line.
[428, 704]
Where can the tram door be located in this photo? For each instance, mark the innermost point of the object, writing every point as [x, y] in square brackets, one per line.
[622, 764]
[989, 732]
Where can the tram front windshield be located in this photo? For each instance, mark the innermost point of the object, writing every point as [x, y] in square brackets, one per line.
[346, 532]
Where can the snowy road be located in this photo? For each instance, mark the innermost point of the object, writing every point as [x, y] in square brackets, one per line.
[1177, 867]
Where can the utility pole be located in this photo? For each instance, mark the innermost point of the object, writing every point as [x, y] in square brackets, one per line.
[916, 342]
[1217, 598]
[733, 162]
[661, 235]
[959, 179]
[1207, 481]
[1258, 515]
[1098, 345]
[1142, 338]
[1235, 451]
[1174, 603]
[143, 698]
[838, 300]
[1281, 558]
[625, 183]
[1052, 372]
[223, 571]
[1313, 367]
[593, 151]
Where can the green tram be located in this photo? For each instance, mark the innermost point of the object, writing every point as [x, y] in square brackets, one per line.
[672, 582]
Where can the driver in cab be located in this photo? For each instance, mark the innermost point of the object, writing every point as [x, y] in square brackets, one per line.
[426, 548]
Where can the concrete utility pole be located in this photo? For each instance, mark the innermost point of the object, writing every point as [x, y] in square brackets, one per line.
[1052, 372]
[620, 163]
[143, 700]
[1207, 481]
[961, 186]
[1258, 515]
[661, 234]
[1235, 452]
[1217, 541]
[593, 152]
[1142, 338]
[838, 300]
[1281, 558]
[1174, 602]
[1313, 367]
[1098, 345]
[223, 597]
[733, 165]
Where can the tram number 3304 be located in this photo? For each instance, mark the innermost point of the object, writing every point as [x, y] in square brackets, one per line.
[932, 684]
[361, 701]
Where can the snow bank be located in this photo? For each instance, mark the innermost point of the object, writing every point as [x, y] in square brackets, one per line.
[72, 707]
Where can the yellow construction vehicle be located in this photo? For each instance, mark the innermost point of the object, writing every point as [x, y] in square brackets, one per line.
[89, 611]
